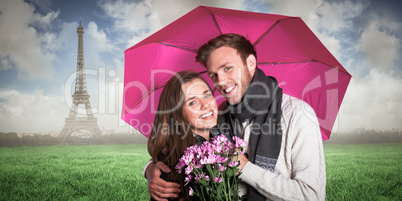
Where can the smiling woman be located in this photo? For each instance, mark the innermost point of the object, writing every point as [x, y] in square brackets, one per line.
[186, 112]
[200, 108]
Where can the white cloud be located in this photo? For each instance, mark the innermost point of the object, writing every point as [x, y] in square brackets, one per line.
[131, 16]
[335, 17]
[45, 21]
[96, 42]
[66, 38]
[382, 49]
[21, 45]
[21, 112]
[326, 19]
[140, 19]
[320, 15]
[373, 100]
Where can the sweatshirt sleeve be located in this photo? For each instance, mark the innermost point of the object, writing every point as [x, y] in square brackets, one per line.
[306, 179]
[145, 168]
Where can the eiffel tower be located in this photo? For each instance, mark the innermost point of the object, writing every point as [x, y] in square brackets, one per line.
[73, 122]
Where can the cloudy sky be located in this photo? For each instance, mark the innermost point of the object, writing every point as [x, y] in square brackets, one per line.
[38, 54]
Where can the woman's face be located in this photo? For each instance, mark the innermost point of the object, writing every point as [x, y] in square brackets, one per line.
[200, 108]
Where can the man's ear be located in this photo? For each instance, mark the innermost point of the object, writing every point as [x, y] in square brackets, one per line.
[251, 63]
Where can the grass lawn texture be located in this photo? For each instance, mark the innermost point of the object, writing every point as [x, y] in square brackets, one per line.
[114, 172]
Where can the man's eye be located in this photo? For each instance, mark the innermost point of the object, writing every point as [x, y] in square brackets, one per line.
[228, 68]
[212, 76]
[208, 95]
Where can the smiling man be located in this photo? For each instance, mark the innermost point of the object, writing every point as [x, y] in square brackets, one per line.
[225, 68]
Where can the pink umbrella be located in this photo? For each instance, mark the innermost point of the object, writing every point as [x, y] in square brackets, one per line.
[286, 49]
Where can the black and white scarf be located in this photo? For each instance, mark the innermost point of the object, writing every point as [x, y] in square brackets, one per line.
[262, 103]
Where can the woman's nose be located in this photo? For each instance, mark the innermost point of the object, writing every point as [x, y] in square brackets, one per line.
[204, 104]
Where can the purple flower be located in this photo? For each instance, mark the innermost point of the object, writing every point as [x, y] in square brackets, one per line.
[221, 168]
[197, 164]
[222, 159]
[218, 179]
[210, 158]
[219, 139]
[187, 179]
[240, 143]
[199, 176]
[188, 170]
[217, 148]
[190, 191]
[180, 165]
[216, 153]
[188, 155]
[233, 163]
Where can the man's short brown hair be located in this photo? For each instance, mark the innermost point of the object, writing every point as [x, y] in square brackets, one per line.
[243, 46]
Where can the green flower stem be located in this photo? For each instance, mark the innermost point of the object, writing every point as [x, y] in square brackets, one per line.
[228, 187]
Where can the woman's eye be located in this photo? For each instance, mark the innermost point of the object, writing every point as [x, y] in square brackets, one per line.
[191, 103]
[213, 76]
[208, 95]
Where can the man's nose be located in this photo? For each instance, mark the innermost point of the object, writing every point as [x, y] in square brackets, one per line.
[220, 80]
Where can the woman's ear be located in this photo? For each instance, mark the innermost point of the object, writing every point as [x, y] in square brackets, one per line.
[251, 62]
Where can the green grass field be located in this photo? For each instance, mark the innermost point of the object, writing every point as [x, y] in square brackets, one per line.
[354, 172]
[364, 172]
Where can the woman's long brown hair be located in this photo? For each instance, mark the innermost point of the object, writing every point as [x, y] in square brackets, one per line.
[171, 135]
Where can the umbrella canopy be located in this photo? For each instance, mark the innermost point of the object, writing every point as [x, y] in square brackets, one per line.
[286, 49]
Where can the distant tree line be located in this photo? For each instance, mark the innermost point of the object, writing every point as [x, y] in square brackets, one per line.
[352, 137]
[365, 137]
[12, 139]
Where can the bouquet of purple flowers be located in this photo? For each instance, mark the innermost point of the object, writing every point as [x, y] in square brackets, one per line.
[211, 168]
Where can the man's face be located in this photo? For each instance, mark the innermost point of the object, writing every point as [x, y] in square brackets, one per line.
[230, 75]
